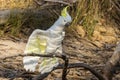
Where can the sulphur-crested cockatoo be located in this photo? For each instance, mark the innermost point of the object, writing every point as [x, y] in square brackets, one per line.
[46, 42]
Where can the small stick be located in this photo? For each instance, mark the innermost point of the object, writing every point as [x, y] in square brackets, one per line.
[66, 61]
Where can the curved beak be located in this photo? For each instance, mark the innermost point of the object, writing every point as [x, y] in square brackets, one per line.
[67, 24]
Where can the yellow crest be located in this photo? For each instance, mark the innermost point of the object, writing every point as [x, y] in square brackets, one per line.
[64, 11]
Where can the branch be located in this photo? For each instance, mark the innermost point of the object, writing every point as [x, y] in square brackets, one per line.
[39, 3]
[60, 66]
[114, 3]
[33, 54]
[53, 1]
[111, 64]
[71, 65]
[43, 4]
[66, 61]
[77, 65]
[57, 1]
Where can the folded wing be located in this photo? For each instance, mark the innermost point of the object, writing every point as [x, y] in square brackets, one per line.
[36, 44]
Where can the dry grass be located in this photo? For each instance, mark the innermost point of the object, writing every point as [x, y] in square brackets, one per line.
[5, 4]
[111, 11]
[87, 15]
[89, 12]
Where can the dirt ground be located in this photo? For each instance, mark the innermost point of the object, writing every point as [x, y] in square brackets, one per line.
[8, 47]
[79, 50]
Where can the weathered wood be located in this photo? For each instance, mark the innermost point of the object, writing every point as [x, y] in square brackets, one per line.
[111, 64]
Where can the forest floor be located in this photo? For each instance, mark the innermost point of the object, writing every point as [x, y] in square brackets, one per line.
[79, 49]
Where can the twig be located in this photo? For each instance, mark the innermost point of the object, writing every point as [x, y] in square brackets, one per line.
[115, 5]
[32, 54]
[57, 1]
[44, 4]
[66, 61]
[39, 3]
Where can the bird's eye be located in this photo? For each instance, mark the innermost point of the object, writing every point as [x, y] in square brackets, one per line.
[64, 20]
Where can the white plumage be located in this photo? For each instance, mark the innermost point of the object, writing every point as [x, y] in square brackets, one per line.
[46, 42]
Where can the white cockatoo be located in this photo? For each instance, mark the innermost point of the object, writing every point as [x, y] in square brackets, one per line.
[46, 42]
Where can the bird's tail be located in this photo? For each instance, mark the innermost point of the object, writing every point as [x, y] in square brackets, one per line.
[30, 63]
[47, 65]
[42, 65]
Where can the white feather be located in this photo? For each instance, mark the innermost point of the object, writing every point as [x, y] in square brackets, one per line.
[51, 39]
